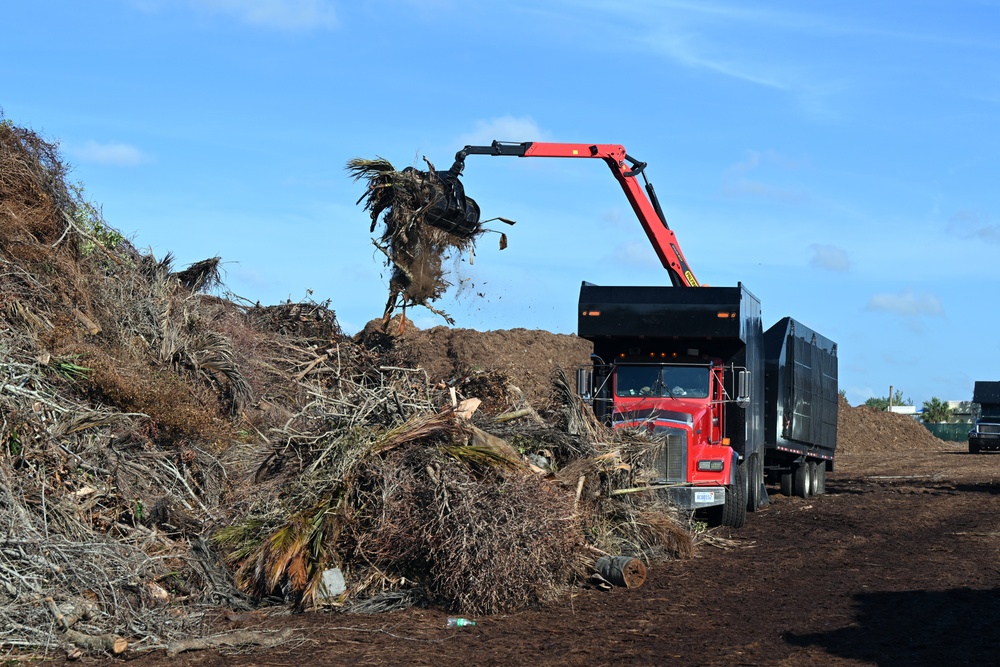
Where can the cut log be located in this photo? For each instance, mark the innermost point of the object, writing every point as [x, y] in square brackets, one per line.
[240, 638]
[622, 570]
[110, 643]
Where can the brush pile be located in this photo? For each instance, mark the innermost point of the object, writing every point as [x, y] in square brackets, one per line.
[166, 453]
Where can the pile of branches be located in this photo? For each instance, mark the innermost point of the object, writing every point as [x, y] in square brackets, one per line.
[417, 504]
[115, 383]
[166, 452]
[415, 240]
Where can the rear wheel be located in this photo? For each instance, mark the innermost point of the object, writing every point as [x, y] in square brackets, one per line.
[786, 483]
[801, 479]
[819, 485]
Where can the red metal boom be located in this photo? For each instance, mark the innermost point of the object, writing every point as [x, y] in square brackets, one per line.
[625, 170]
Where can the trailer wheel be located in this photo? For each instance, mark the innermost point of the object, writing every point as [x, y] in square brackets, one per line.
[786, 484]
[819, 482]
[813, 477]
[756, 493]
[801, 479]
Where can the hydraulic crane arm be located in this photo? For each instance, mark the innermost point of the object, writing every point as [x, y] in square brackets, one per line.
[625, 169]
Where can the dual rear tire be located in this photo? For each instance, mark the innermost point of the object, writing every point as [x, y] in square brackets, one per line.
[806, 479]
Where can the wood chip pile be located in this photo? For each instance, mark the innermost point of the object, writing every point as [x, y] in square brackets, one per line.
[863, 429]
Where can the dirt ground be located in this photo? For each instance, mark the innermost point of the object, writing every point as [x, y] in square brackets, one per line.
[895, 565]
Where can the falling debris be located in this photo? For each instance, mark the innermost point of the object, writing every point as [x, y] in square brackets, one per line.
[427, 220]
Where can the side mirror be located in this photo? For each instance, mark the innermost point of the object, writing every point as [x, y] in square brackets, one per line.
[743, 389]
[584, 383]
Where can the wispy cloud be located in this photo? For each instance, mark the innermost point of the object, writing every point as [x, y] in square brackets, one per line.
[972, 225]
[829, 257]
[281, 14]
[504, 128]
[909, 305]
[745, 178]
[692, 50]
[711, 37]
[111, 153]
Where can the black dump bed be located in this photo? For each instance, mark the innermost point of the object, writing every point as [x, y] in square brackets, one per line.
[802, 391]
[986, 393]
[718, 322]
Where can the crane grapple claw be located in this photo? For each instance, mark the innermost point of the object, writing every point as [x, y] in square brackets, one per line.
[449, 209]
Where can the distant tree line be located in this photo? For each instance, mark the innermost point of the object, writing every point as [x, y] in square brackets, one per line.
[933, 411]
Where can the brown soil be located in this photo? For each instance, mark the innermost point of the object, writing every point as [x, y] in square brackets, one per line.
[895, 565]
[528, 357]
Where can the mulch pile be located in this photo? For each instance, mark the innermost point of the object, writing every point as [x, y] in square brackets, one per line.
[863, 429]
[528, 357]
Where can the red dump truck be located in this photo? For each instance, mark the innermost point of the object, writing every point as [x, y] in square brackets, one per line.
[734, 406]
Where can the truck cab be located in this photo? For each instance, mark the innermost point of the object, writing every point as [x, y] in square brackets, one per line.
[681, 403]
[686, 366]
[985, 433]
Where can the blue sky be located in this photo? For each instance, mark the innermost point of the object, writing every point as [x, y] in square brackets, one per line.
[839, 159]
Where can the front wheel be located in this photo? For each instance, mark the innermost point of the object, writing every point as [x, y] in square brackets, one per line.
[733, 512]
[756, 491]
[973, 447]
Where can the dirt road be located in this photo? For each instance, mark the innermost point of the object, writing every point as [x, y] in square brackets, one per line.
[896, 565]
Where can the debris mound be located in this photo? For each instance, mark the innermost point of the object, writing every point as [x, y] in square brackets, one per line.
[864, 429]
[167, 452]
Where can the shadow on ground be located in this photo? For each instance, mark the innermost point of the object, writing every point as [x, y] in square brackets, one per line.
[916, 628]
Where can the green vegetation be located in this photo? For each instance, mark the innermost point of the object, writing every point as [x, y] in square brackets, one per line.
[935, 411]
[882, 402]
[89, 218]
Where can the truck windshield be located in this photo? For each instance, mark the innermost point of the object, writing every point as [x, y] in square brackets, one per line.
[990, 412]
[657, 380]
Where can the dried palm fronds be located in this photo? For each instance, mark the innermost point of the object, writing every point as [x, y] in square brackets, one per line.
[294, 555]
[201, 276]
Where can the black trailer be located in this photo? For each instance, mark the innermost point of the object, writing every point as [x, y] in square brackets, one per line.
[985, 433]
[801, 406]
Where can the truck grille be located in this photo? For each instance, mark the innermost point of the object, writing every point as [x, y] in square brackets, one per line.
[670, 458]
[988, 428]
